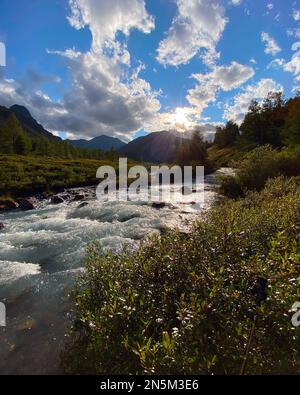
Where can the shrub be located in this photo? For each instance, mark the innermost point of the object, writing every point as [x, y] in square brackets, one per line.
[180, 304]
[257, 167]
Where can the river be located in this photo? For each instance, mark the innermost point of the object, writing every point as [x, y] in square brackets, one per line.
[42, 251]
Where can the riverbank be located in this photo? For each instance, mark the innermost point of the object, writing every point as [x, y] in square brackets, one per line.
[43, 250]
[25, 176]
[185, 305]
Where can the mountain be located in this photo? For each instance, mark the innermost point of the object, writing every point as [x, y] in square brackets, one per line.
[29, 124]
[4, 114]
[155, 147]
[105, 143]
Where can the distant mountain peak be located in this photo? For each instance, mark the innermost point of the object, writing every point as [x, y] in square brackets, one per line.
[21, 110]
[102, 142]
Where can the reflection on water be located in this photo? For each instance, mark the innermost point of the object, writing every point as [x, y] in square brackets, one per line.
[41, 252]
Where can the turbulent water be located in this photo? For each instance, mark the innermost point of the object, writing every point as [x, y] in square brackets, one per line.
[42, 251]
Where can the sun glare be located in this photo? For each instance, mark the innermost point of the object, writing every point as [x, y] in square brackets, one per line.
[181, 118]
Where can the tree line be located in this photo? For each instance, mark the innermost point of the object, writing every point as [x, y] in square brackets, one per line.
[275, 121]
[14, 140]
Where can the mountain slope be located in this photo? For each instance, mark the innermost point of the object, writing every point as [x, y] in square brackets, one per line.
[29, 124]
[155, 147]
[105, 143]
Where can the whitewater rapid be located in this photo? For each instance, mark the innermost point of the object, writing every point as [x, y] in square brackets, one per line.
[42, 251]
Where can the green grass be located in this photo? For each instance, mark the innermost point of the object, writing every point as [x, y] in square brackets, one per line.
[181, 304]
[25, 175]
[222, 157]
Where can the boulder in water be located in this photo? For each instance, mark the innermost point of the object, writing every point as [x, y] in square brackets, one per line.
[8, 204]
[57, 199]
[158, 205]
[25, 204]
[78, 197]
[83, 204]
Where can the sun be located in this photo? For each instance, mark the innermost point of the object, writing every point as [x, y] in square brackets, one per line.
[180, 118]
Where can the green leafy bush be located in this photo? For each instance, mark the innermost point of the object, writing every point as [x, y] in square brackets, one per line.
[257, 166]
[184, 304]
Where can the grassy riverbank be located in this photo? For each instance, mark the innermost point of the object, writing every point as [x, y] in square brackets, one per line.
[26, 175]
[184, 304]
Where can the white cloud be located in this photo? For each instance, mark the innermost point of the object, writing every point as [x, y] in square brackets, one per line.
[293, 32]
[272, 47]
[296, 46]
[241, 102]
[270, 6]
[253, 61]
[236, 2]
[292, 66]
[296, 15]
[275, 63]
[107, 95]
[198, 25]
[106, 18]
[223, 78]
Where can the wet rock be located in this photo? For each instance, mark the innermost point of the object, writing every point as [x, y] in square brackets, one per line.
[46, 195]
[66, 197]
[78, 197]
[158, 205]
[8, 204]
[25, 204]
[1, 226]
[83, 204]
[57, 199]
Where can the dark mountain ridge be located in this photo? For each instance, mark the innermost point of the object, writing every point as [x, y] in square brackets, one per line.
[103, 142]
[29, 124]
[155, 147]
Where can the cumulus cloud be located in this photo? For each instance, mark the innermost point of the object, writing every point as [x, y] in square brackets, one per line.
[223, 78]
[237, 110]
[199, 24]
[107, 94]
[106, 18]
[272, 48]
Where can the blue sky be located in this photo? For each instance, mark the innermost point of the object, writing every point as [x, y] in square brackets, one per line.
[123, 67]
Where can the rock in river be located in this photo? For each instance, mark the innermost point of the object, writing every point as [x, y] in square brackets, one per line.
[57, 199]
[8, 204]
[78, 197]
[25, 204]
[158, 205]
[83, 204]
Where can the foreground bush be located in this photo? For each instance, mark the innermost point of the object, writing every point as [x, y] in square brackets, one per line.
[256, 167]
[183, 304]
